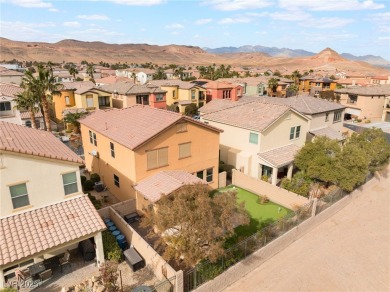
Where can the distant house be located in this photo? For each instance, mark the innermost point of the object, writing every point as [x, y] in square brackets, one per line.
[141, 75]
[365, 102]
[126, 94]
[251, 85]
[43, 211]
[220, 90]
[181, 93]
[380, 80]
[128, 145]
[260, 139]
[10, 76]
[321, 84]
[8, 112]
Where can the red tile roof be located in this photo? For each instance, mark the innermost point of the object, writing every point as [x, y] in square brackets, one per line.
[164, 183]
[280, 156]
[20, 139]
[133, 126]
[8, 89]
[31, 232]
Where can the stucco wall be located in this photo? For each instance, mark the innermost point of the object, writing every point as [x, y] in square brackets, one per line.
[43, 178]
[59, 103]
[318, 121]
[371, 106]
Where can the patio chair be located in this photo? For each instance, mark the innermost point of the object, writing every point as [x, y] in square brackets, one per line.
[23, 274]
[46, 274]
[65, 260]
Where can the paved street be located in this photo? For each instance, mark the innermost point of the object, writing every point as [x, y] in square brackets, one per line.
[348, 252]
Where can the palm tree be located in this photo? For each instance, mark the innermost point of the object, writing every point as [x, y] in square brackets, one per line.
[273, 85]
[73, 71]
[296, 75]
[27, 101]
[90, 71]
[43, 86]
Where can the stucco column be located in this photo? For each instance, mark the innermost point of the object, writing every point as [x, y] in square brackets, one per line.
[290, 170]
[99, 248]
[260, 171]
[274, 176]
[2, 281]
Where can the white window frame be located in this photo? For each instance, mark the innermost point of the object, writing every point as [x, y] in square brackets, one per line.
[116, 181]
[70, 183]
[112, 149]
[19, 196]
[252, 137]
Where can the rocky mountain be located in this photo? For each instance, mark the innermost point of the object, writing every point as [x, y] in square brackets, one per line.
[326, 62]
[291, 53]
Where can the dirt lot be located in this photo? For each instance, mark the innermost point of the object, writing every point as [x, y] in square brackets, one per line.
[348, 252]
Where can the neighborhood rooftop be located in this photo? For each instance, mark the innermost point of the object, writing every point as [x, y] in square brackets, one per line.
[280, 156]
[383, 89]
[128, 87]
[9, 89]
[255, 115]
[35, 231]
[20, 139]
[134, 125]
[174, 82]
[164, 183]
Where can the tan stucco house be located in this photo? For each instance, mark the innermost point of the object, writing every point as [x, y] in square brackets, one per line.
[40, 195]
[127, 145]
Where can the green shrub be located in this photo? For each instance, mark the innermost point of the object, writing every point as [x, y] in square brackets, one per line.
[367, 121]
[83, 178]
[264, 178]
[9, 289]
[111, 249]
[95, 177]
[96, 203]
[88, 185]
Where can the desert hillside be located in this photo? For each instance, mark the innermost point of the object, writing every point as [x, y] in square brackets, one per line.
[327, 61]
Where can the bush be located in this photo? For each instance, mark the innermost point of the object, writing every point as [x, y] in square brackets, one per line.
[264, 178]
[95, 177]
[83, 178]
[367, 121]
[262, 200]
[96, 203]
[88, 185]
[111, 249]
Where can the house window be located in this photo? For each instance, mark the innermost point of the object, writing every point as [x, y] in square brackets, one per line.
[28, 124]
[142, 99]
[182, 127]
[112, 148]
[159, 97]
[116, 181]
[5, 106]
[157, 158]
[253, 138]
[184, 150]
[89, 100]
[70, 183]
[209, 175]
[192, 94]
[104, 101]
[326, 117]
[19, 195]
[173, 93]
[295, 132]
[226, 94]
[199, 174]
[337, 116]
[67, 100]
[92, 138]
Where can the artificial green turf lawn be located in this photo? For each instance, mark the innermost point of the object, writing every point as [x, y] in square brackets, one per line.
[261, 214]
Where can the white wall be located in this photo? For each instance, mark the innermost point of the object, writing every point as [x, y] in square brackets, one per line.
[43, 178]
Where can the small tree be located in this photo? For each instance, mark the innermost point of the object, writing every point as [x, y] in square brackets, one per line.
[299, 184]
[109, 276]
[191, 109]
[195, 225]
[159, 74]
[73, 118]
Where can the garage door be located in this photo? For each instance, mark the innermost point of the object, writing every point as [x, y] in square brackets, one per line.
[353, 111]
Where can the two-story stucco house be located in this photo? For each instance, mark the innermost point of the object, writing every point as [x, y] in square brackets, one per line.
[43, 211]
[220, 90]
[182, 93]
[127, 145]
[8, 111]
[364, 102]
[258, 138]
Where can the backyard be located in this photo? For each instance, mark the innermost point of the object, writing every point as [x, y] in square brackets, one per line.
[261, 214]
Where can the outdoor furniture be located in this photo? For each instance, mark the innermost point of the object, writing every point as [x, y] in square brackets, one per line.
[133, 259]
[131, 218]
[51, 263]
[23, 274]
[87, 249]
[65, 260]
[47, 274]
[37, 268]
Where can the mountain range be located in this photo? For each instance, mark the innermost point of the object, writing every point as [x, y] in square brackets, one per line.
[326, 62]
[291, 53]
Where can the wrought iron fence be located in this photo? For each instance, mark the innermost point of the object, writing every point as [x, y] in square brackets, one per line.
[206, 270]
[165, 286]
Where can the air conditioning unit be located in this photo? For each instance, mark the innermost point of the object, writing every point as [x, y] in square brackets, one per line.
[95, 153]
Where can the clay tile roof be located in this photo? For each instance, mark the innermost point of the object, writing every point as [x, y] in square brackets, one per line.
[8, 89]
[254, 115]
[129, 87]
[77, 85]
[133, 126]
[164, 183]
[368, 90]
[9, 72]
[26, 115]
[34, 231]
[328, 132]
[221, 104]
[280, 156]
[20, 139]
[304, 104]
[179, 83]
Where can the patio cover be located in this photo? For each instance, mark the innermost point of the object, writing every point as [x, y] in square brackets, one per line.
[165, 182]
[25, 234]
[328, 132]
[279, 156]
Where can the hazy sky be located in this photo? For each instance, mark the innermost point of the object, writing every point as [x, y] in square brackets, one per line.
[359, 27]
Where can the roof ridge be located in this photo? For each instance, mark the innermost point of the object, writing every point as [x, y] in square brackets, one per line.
[310, 109]
[165, 172]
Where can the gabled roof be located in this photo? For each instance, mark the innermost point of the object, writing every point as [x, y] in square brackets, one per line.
[164, 183]
[328, 132]
[20, 139]
[179, 83]
[221, 104]
[128, 87]
[77, 85]
[135, 125]
[9, 89]
[34, 231]
[9, 72]
[280, 156]
[383, 89]
[304, 104]
[256, 116]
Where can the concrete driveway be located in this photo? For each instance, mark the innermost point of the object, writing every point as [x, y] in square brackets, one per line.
[348, 252]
